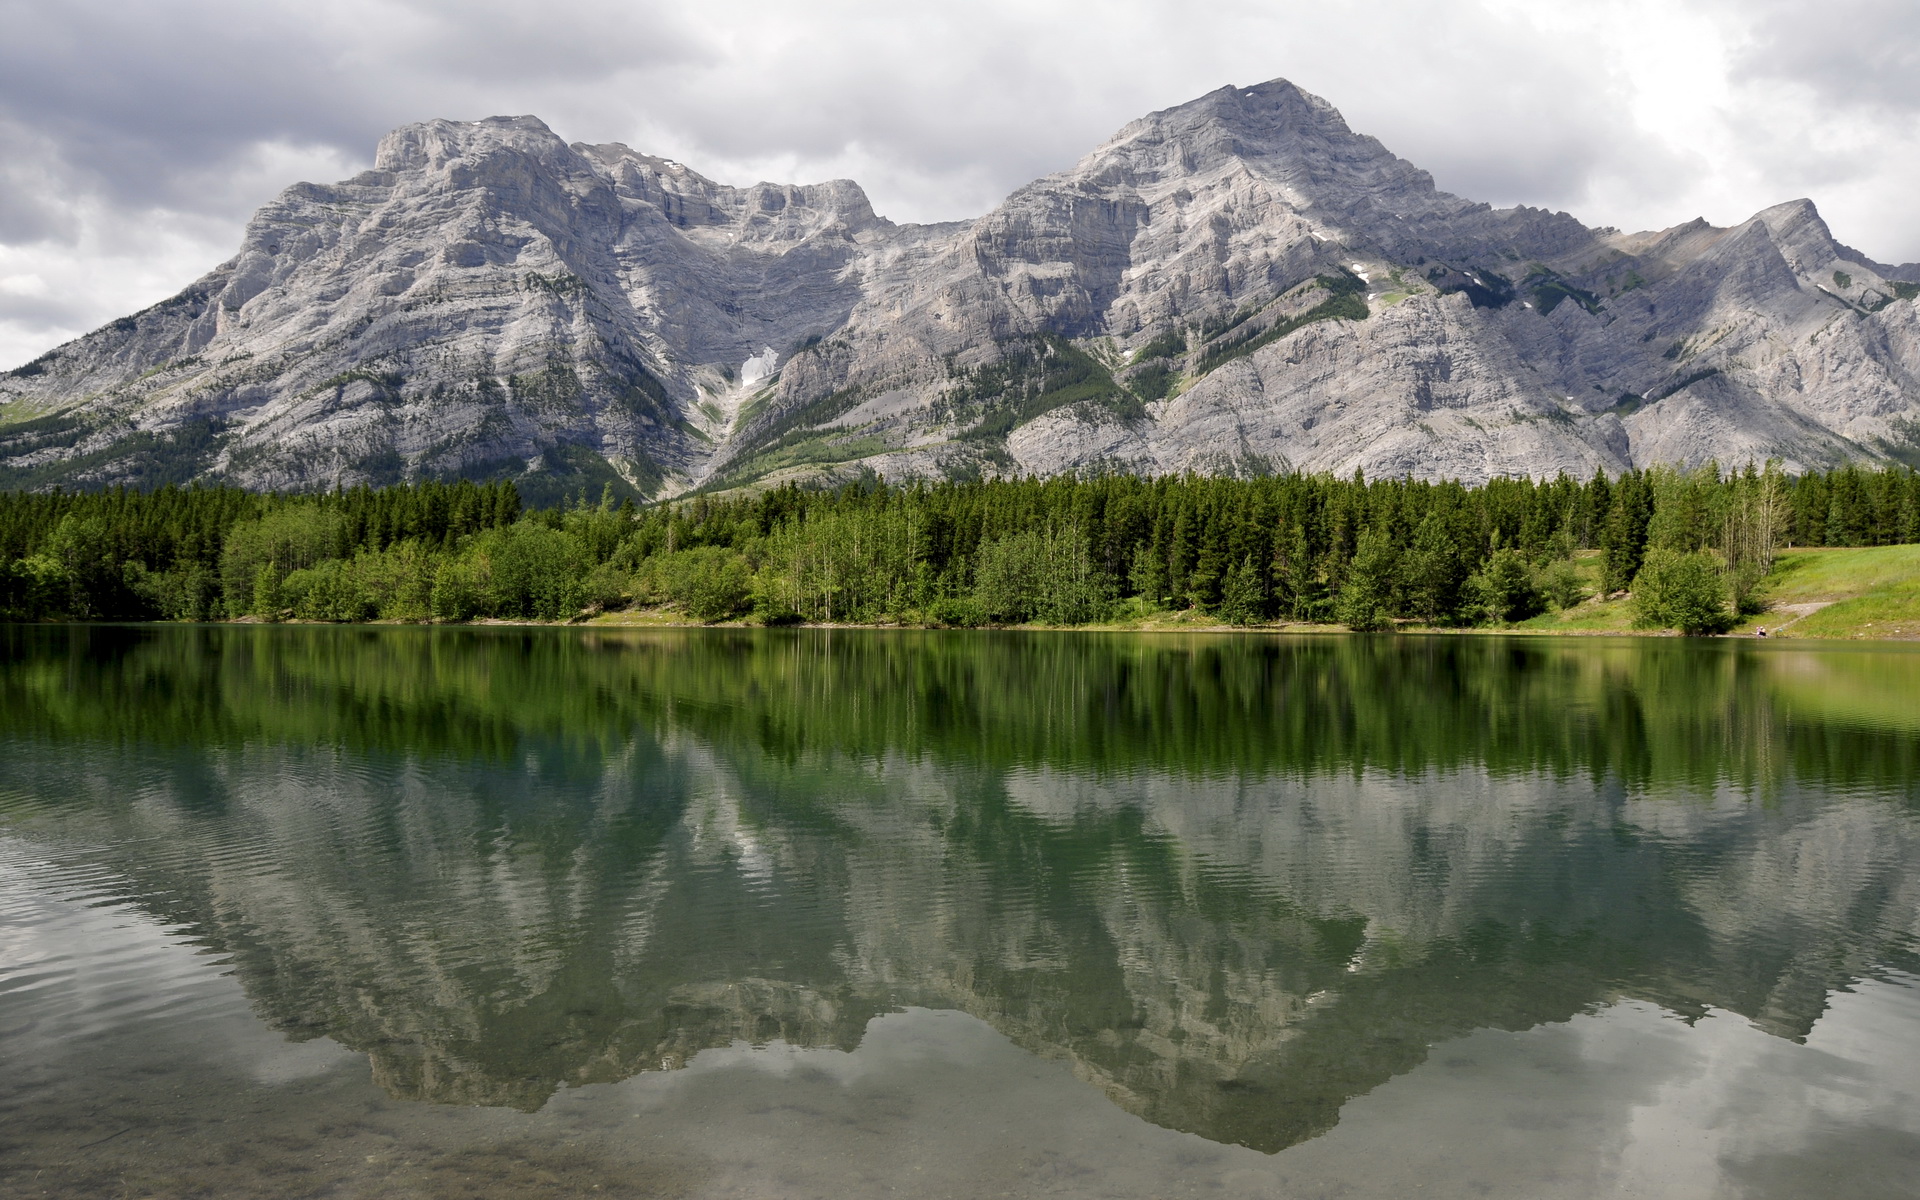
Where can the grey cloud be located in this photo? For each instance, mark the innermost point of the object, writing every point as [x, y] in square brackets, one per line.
[1856, 52]
[143, 101]
[43, 314]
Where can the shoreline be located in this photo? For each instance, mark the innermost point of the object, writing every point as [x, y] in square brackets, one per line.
[644, 619]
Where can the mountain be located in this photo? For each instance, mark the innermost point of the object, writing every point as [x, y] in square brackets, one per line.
[1238, 284]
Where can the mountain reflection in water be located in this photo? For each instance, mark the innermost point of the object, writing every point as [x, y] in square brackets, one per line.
[1234, 881]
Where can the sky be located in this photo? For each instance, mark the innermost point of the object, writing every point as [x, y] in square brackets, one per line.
[136, 137]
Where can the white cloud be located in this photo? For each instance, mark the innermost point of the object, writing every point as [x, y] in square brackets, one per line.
[175, 121]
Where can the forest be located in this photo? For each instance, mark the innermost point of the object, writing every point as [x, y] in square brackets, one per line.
[1691, 548]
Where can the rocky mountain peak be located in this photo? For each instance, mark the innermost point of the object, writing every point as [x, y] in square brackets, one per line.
[1238, 283]
[432, 145]
[1280, 133]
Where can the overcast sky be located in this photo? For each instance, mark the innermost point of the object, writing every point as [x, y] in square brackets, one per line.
[135, 137]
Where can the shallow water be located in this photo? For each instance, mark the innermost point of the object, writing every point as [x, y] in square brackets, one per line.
[448, 912]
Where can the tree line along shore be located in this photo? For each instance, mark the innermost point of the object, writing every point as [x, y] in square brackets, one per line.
[1687, 550]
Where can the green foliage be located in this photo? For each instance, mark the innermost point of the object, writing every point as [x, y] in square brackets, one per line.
[457, 593]
[276, 545]
[1153, 381]
[709, 583]
[1243, 598]
[1560, 585]
[1504, 588]
[32, 588]
[1683, 591]
[1623, 537]
[144, 458]
[1842, 280]
[530, 570]
[1438, 567]
[1364, 598]
[268, 598]
[1042, 575]
[957, 612]
[1056, 551]
[328, 591]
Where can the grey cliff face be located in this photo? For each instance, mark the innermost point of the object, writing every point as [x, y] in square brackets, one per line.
[1240, 284]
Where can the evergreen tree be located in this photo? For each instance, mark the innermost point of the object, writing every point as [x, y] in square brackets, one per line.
[1243, 600]
[1364, 595]
[1623, 542]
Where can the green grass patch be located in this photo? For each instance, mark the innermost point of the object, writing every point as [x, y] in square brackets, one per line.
[1892, 611]
[1839, 573]
[1869, 592]
[1595, 614]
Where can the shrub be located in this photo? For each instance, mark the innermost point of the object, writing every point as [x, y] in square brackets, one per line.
[1504, 588]
[608, 587]
[960, 612]
[331, 591]
[710, 583]
[1559, 582]
[458, 587]
[1681, 591]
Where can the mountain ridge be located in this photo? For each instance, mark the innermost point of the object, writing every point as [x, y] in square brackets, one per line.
[1240, 283]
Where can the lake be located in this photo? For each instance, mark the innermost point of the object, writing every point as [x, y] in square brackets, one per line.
[476, 912]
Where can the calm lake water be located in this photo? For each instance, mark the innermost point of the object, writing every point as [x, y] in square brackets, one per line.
[351, 912]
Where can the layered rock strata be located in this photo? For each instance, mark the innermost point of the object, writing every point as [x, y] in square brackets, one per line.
[1238, 284]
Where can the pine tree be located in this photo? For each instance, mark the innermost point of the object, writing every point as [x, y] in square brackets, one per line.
[1364, 594]
[1243, 600]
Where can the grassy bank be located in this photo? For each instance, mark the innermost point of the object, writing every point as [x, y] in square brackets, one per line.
[1825, 592]
[1865, 592]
